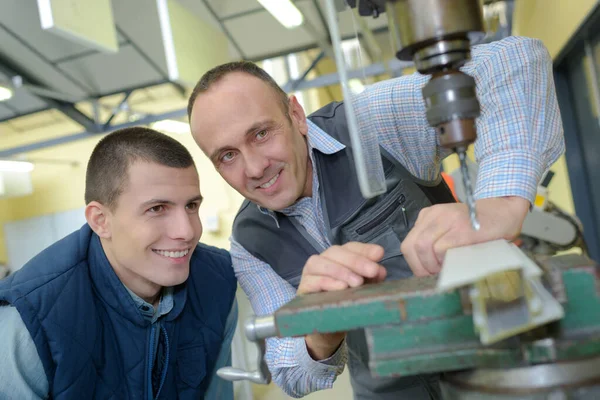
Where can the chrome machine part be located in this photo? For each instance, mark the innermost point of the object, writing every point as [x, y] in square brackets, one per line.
[573, 380]
[437, 36]
[427, 25]
[257, 330]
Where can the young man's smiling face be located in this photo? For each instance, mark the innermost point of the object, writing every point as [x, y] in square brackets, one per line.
[151, 232]
[256, 145]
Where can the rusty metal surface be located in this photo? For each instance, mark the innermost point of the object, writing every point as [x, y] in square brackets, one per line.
[386, 291]
[391, 302]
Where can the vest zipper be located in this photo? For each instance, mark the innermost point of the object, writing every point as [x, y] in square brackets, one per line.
[151, 362]
[166, 364]
[381, 217]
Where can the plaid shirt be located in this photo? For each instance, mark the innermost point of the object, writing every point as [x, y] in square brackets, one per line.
[519, 137]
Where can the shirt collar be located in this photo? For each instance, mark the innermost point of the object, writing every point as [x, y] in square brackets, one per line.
[147, 310]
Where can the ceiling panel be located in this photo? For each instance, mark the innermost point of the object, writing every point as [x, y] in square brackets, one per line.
[106, 74]
[22, 18]
[29, 62]
[83, 72]
[5, 113]
[260, 34]
[225, 8]
[311, 15]
[25, 102]
[199, 8]
[139, 23]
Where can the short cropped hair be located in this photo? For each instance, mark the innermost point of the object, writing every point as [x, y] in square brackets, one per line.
[108, 168]
[219, 72]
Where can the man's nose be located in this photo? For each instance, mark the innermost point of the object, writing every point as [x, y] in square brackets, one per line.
[255, 165]
[183, 226]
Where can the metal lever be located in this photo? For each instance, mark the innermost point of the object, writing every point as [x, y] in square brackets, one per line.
[257, 329]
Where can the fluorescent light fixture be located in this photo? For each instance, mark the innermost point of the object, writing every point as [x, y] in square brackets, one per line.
[5, 93]
[15, 166]
[284, 11]
[171, 126]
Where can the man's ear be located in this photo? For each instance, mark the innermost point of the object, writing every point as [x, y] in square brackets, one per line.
[297, 115]
[98, 218]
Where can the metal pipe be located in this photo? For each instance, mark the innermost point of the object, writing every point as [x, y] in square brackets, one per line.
[87, 134]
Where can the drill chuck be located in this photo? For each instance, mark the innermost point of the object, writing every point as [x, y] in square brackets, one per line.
[452, 107]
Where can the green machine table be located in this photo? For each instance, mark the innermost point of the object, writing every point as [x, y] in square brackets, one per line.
[413, 328]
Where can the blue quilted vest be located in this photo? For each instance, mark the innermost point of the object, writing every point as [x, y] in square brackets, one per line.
[93, 341]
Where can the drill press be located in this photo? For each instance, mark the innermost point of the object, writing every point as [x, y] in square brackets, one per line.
[437, 36]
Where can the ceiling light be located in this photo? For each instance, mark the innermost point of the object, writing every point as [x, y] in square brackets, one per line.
[171, 126]
[284, 11]
[15, 166]
[5, 93]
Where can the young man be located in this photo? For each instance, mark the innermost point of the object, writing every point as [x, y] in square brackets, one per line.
[305, 227]
[131, 306]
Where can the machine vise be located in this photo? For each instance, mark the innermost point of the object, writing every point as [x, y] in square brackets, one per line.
[413, 328]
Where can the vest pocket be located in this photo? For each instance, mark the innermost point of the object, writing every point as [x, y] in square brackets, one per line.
[386, 223]
[191, 363]
[390, 211]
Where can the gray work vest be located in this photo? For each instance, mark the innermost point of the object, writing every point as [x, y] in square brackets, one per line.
[385, 220]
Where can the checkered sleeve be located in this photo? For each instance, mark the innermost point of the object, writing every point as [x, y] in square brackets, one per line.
[291, 366]
[520, 132]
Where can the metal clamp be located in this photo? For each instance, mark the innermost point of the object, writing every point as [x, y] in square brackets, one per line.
[257, 329]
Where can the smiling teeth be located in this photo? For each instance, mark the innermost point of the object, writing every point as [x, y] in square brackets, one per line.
[173, 254]
[271, 182]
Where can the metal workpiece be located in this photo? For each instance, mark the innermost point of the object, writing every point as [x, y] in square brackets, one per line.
[579, 379]
[257, 329]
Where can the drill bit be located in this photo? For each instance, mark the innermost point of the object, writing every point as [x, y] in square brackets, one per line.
[462, 155]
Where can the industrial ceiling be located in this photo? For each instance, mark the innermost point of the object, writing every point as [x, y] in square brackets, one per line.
[66, 78]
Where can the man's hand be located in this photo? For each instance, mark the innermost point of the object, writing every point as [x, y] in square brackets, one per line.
[338, 268]
[341, 267]
[444, 226]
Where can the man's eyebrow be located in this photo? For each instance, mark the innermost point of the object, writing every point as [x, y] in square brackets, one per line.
[169, 202]
[249, 131]
[198, 198]
[156, 201]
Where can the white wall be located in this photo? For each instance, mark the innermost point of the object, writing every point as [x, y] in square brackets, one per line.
[26, 238]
